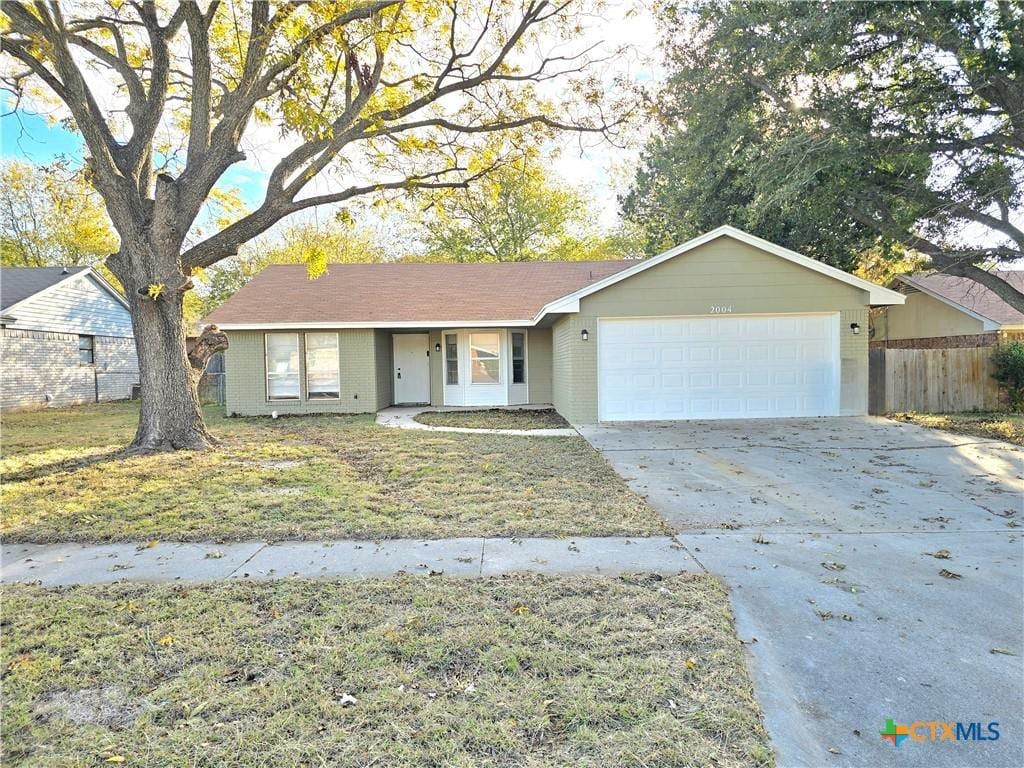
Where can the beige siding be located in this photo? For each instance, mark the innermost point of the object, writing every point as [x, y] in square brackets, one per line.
[924, 317]
[538, 364]
[383, 354]
[436, 369]
[574, 369]
[853, 351]
[245, 371]
[721, 273]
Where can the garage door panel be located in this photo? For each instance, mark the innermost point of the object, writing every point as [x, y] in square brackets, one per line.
[720, 367]
[700, 353]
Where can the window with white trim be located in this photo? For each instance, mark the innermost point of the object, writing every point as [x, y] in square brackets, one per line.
[323, 375]
[282, 366]
[518, 358]
[485, 358]
[451, 358]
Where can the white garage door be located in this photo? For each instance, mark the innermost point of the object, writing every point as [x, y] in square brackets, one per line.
[751, 366]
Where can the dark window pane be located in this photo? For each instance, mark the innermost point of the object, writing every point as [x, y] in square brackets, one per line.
[86, 348]
[451, 356]
[518, 372]
[518, 358]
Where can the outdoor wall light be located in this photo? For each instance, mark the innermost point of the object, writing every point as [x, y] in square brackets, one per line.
[855, 327]
[584, 334]
[437, 347]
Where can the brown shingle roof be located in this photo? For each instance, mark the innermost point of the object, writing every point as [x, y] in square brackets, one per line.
[972, 295]
[409, 292]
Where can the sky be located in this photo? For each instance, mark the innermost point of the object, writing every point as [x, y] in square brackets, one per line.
[598, 168]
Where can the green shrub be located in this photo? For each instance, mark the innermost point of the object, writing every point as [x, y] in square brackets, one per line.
[1008, 360]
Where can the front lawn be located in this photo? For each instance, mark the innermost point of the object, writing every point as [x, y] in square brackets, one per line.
[514, 671]
[495, 418]
[998, 426]
[302, 477]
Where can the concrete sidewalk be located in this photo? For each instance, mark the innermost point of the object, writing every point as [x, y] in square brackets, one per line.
[63, 564]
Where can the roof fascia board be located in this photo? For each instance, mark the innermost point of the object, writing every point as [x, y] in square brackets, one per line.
[876, 293]
[988, 324]
[374, 324]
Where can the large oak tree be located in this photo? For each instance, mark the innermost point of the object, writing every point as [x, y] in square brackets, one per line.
[841, 129]
[366, 96]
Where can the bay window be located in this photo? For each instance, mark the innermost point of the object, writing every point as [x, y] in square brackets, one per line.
[485, 358]
[282, 356]
[323, 377]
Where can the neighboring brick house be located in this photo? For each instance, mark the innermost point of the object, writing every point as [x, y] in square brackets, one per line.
[65, 338]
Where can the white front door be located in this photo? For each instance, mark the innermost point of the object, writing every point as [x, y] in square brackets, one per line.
[412, 368]
[753, 366]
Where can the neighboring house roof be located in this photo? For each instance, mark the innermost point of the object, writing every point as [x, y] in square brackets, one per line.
[446, 294]
[19, 283]
[971, 297]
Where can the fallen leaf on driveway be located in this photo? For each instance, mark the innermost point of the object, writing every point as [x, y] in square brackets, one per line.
[949, 574]
[148, 545]
[1003, 651]
[833, 566]
[942, 554]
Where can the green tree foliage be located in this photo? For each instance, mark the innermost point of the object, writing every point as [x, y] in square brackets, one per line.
[839, 129]
[51, 216]
[1008, 362]
[368, 97]
[518, 213]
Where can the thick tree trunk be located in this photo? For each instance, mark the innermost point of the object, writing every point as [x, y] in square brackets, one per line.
[171, 417]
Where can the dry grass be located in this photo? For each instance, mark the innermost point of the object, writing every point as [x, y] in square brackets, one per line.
[302, 478]
[495, 418]
[998, 426]
[516, 671]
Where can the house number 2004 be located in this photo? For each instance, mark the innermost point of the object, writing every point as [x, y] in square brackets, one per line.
[720, 309]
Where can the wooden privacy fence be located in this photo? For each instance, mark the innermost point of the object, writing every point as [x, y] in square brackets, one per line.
[932, 380]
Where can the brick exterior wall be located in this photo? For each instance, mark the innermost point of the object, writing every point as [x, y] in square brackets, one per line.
[41, 368]
[966, 341]
[853, 365]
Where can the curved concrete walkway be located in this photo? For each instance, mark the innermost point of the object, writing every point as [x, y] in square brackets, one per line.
[64, 564]
[402, 417]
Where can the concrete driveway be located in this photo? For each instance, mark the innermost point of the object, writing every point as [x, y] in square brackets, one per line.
[831, 534]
